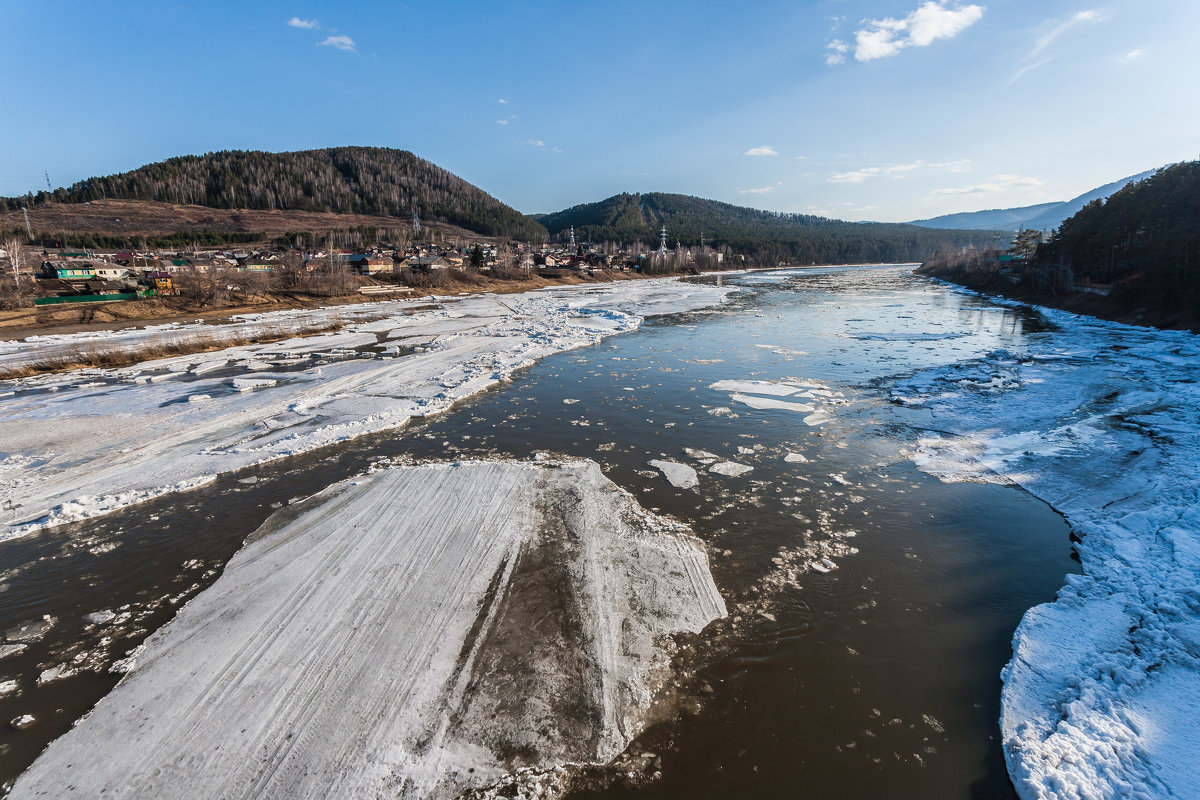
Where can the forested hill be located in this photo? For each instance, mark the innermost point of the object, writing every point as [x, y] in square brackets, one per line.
[765, 236]
[360, 180]
[1145, 239]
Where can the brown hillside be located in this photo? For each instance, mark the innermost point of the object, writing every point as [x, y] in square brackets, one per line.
[148, 218]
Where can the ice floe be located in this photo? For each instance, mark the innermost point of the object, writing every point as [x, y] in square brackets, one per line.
[386, 642]
[679, 475]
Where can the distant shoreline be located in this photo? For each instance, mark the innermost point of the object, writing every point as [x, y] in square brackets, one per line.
[1114, 308]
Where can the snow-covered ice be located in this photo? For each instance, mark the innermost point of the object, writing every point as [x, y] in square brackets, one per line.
[1102, 421]
[73, 449]
[730, 468]
[679, 475]
[380, 641]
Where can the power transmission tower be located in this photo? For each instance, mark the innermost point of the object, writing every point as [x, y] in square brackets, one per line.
[49, 188]
[662, 241]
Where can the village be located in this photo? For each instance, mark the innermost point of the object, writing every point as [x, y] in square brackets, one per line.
[77, 275]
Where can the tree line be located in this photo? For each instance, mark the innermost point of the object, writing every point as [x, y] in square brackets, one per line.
[765, 237]
[1144, 239]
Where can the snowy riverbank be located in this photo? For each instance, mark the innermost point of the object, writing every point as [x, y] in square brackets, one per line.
[1100, 420]
[90, 442]
[416, 632]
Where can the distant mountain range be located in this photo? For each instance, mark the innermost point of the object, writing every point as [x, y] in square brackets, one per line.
[367, 186]
[1042, 217]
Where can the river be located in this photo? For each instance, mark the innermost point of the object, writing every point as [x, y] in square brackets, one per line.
[871, 605]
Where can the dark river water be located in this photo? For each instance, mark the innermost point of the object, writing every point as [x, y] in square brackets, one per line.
[878, 677]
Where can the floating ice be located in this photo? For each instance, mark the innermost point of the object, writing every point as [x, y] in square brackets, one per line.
[1101, 696]
[679, 475]
[730, 468]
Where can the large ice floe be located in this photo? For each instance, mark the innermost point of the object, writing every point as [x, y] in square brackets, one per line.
[1102, 421]
[378, 641]
[78, 445]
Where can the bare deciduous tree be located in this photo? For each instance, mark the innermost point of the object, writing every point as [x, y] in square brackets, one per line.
[16, 259]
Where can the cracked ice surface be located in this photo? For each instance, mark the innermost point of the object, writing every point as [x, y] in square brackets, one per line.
[87, 443]
[415, 632]
[1102, 421]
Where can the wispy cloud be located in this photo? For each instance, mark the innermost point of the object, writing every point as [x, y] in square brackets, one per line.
[1052, 30]
[503, 101]
[501, 122]
[882, 38]
[765, 150]
[307, 24]
[998, 183]
[836, 54]
[1132, 55]
[341, 42]
[541, 145]
[896, 171]
[759, 190]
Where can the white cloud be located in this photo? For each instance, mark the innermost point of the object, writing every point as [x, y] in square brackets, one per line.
[759, 190]
[307, 24]
[341, 42]
[501, 122]
[998, 183]
[765, 150]
[897, 171]
[837, 52]
[882, 38]
[1132, 55]
[503, 101]
[857, 176]
[538, 143]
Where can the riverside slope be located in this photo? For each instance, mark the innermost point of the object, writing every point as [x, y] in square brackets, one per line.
[91, 442]
[417, 632]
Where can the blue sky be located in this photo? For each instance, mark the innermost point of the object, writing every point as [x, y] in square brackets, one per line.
[856, 109]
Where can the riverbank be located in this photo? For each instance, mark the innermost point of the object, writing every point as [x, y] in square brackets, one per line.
[93, 441]
[78, 318]
[1116, 307]
[1098, 420]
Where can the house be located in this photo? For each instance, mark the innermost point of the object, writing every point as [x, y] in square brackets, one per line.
[163, 282]
[110, 272]
[61, 270]
[106, 287]
[373, 265]
[428, 262]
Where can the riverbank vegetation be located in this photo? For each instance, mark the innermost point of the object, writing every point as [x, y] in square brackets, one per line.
[1133, 258]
